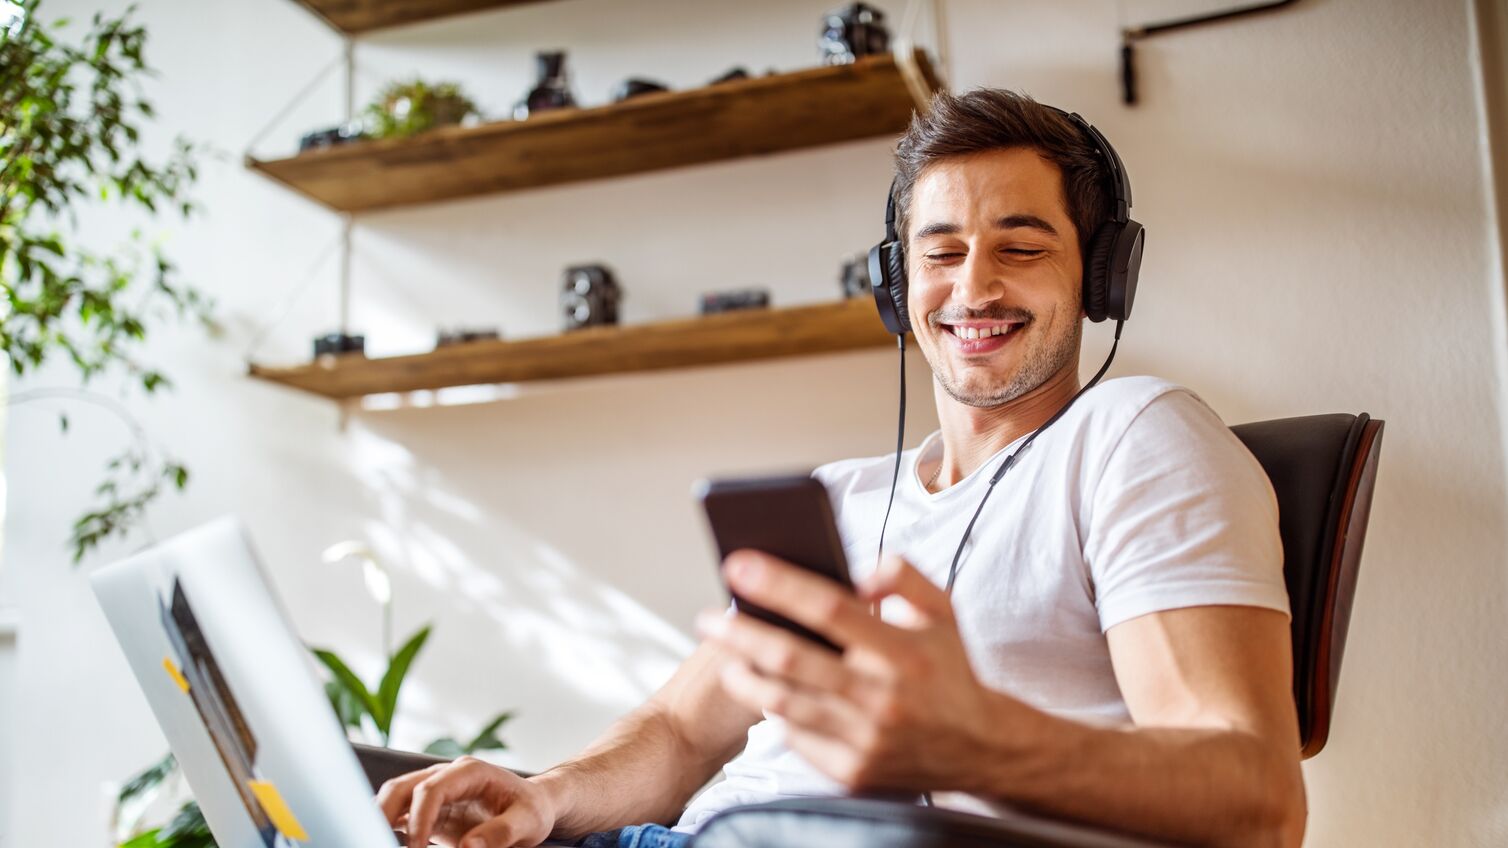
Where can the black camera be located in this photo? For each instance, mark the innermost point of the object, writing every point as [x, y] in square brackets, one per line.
[331, 344]
[732, 301]
[855, 30]
[636, 87]
[854, 276]
[551, 91]
[465, 335]
[589, 297]
[332, 137]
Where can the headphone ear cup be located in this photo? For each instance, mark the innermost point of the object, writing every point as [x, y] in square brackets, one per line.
[899, 286]
[887, 281]
[1097, 273]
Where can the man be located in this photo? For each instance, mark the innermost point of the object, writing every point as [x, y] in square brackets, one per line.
[1115, 648]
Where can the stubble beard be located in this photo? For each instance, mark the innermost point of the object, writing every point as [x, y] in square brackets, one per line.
[1040, 363]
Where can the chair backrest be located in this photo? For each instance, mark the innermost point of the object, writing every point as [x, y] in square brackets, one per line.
[1323, 469]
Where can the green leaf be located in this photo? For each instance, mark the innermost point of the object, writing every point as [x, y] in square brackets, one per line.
[347, 707]
[392, 680]
[487, 738]
[150, 777]
[352, 684]
[445, 747]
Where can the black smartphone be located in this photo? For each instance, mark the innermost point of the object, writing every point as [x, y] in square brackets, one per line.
[789, 517]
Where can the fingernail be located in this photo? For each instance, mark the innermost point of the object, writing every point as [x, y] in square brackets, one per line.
[742, 567]
[710, 623]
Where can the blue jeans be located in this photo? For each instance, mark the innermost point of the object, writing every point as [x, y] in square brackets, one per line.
[638, 836]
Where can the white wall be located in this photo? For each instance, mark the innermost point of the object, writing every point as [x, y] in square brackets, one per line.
[1313, 186]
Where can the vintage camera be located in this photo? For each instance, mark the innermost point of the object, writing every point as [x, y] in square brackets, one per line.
[464, 335]
[634, 87]
[551, 91]
[853, 277]
[589, 297]
[331, 344]
[332, 137]
[732, 301]
[855, 30]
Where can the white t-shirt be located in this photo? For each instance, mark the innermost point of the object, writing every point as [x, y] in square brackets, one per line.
[1137, 500]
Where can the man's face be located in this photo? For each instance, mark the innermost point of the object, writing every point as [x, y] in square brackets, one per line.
[992, 253]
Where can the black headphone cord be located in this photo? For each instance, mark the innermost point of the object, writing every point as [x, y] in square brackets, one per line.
[1010, 460]
[900, 440]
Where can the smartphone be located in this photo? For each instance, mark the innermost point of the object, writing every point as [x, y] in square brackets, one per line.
[789, 517]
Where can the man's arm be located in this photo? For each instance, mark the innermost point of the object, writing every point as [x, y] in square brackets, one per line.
[1213, 758]
[649, 763]
[643, 768]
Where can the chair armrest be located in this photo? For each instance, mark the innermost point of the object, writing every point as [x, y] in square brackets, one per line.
[855, 822]
[384, 764]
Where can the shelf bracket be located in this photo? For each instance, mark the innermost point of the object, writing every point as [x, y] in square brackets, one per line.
[1131, 35]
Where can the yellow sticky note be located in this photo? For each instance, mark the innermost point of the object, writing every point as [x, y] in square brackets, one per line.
[173, 672]
[277, 810]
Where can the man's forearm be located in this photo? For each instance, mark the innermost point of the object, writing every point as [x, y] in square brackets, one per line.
[639, 770]
[1190, 785]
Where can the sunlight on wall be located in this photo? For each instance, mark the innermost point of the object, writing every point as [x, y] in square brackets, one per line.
[526, 616]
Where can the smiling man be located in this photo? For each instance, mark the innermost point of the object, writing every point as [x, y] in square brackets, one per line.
[1111, 642]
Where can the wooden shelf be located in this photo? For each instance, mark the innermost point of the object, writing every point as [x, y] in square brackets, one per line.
[872, 97]
[728, 337]
[354, 17]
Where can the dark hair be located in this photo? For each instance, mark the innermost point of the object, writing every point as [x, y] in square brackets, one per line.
[997, 119]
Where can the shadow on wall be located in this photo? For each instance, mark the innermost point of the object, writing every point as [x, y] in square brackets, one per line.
[553, 540]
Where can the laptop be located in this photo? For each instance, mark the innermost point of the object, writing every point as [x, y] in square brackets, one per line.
[236, 695]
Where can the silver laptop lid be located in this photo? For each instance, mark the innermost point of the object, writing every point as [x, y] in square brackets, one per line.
[236, 695]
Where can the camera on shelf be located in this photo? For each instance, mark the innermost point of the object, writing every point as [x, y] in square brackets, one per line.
[636, 87]
[332, 344]
[551, 91]
[589, 297]
[733, 301]
[853, 277]
[465, 335]
[332, 137]
[855, 30]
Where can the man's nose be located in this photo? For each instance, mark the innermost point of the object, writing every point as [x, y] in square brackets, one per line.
[979, 281]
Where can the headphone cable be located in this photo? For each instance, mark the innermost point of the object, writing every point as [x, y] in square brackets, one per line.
[900, 440]
[1005, 465]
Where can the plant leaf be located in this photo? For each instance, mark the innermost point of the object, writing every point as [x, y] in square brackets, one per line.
[392, 681]
[352, 684]
[445, 747]
[487, 738]
[150, 777]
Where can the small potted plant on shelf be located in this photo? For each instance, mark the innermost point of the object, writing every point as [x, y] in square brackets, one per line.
[409, 108]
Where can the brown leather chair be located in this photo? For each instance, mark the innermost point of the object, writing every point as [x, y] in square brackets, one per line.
[1323, 469]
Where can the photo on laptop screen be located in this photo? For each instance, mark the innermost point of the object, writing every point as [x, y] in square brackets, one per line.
[237, 696]
[222, 716]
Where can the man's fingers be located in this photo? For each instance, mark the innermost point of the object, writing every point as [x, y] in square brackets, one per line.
[806, 598]
[896, 577]
[394, 795]
[775, 651]
[453, 782]
[813, 711]
[518, 825]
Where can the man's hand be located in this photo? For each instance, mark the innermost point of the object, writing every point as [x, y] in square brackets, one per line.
[900, 709]
[467, 803]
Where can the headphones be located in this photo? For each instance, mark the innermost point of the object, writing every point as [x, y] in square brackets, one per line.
[1111, 265]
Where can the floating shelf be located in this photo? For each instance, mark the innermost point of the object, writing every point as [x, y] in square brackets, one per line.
[874, 96]
[354, 17]
[728, 337]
